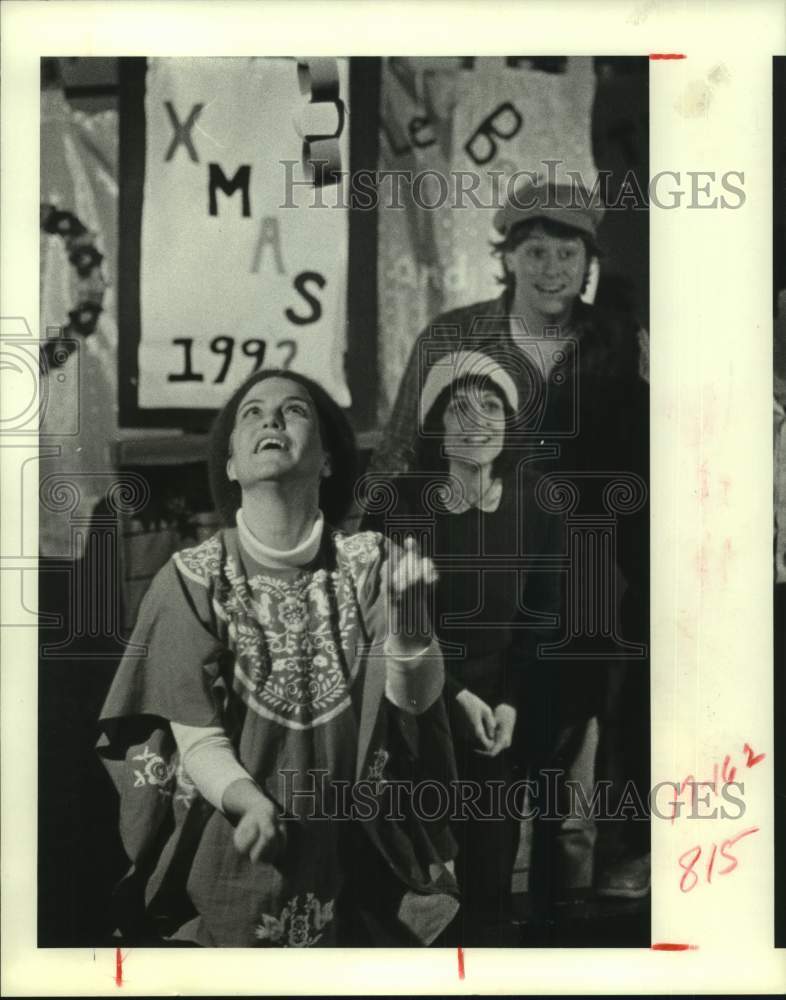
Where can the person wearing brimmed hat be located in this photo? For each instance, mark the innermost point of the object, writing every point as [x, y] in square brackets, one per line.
[465, 487]
[547, 240]
[583, 407]
[570, 204]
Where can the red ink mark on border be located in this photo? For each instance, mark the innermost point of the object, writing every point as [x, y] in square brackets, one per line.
[753, 758]
[712, 862]
[670, 946]
[118, 967]
[668, 55]
[729, 774]
[461, 962]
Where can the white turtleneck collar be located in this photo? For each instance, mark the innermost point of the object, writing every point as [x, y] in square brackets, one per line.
[301, 555]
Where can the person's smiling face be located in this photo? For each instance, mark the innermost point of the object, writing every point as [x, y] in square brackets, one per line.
[474, 422]
[549, 272]
[276, 435]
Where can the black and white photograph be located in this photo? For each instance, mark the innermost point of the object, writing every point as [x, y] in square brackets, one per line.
[361, 476]
[387, 550]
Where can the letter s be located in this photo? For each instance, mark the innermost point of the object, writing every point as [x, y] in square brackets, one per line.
[364, 803]
[735, 800]
[300, 283]
[733, 189]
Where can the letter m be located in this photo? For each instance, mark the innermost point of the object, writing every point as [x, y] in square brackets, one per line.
[218, 181]
[587, 808]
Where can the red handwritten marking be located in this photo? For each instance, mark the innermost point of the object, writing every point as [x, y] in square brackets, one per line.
[461, 962]
[687, 869]
[669, 946]
[728, 771]
[118, 967]
[712, 862]
[730, 843]
[667, 55]
[683, 785]
[689, 859]
[753, 759]
[691, 780]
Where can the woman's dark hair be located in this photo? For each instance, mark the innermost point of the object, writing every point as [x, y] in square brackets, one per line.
[522, 230]
[335, 491]
[428, 448]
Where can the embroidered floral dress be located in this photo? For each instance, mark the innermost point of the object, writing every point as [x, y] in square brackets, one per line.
[289, 662]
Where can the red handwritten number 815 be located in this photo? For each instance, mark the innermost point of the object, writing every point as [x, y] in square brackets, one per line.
[690, 858]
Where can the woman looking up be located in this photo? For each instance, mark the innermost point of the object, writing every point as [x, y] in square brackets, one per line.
[277, 673]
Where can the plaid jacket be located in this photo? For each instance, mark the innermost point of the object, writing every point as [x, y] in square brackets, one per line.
[609, 352]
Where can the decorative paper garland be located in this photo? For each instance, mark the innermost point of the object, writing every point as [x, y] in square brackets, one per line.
[86, 259]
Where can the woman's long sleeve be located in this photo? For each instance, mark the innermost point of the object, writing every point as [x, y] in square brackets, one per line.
[209, 760]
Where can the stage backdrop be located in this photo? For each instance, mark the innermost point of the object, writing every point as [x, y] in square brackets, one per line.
[78, 312]
[477, 115]
[239, 267]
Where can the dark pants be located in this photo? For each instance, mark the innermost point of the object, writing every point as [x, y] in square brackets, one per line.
[488, 842]
[548, 750]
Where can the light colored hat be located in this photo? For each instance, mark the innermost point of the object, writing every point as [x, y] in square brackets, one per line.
[461, 364]
[570, 204]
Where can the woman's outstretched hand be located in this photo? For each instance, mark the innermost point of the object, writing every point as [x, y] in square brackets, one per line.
[408, 577]
[260, 834]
